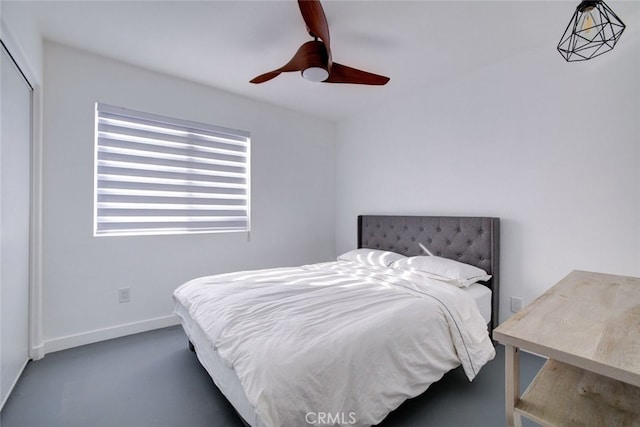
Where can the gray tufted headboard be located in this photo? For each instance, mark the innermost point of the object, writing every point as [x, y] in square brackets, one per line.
[472, 240]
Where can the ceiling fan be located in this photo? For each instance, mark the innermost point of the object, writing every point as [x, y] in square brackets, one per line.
[313, 58]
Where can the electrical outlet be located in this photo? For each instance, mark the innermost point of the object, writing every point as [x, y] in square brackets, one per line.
[124, 295]
[516, 304]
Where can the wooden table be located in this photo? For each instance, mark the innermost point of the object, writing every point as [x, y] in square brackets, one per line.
[588, 325]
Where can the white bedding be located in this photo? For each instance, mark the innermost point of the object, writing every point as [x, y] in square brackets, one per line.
[336, 338]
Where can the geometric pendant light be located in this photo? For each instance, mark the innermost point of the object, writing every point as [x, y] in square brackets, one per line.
[593, 30]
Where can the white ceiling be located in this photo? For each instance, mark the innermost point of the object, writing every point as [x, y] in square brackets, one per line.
[226, 43]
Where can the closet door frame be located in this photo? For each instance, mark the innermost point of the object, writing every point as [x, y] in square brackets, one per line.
[36, 340]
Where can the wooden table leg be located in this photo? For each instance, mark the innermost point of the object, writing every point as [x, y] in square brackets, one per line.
[512, 384]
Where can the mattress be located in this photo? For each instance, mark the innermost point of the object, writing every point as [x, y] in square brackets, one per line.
[482, 296]
[228, 381]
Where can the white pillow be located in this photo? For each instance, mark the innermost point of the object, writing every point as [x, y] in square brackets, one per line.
[371, 257]
[444, 269]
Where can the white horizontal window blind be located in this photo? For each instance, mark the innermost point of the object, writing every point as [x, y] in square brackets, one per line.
[160, 175]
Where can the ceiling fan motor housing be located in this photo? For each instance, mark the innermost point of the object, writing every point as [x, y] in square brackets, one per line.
[316, 61]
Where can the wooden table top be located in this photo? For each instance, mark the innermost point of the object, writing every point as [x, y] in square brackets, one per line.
[589, 320]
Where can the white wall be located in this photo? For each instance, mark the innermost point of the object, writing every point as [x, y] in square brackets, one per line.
[552, 148]
[293, 199]
[24, 38]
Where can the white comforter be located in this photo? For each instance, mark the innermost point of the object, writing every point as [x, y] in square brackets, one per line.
[342, 339]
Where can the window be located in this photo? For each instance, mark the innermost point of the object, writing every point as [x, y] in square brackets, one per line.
[160, 175]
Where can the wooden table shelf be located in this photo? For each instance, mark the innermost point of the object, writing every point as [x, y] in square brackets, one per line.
[588, 325]
[564, 395]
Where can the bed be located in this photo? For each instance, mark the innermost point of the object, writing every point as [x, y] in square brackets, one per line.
[346, 342]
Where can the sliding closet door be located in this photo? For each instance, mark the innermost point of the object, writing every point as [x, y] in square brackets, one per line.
[15, 196]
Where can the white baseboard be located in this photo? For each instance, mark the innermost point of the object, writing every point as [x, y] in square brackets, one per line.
[97, 335]
[37, 352]
[15, 381]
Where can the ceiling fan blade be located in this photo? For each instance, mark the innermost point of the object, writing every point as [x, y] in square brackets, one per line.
[314, 17]
[343, 74]
[296, 63]
[310, 54]
[266, 76]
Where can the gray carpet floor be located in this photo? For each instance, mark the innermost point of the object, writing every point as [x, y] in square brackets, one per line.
[153, 380]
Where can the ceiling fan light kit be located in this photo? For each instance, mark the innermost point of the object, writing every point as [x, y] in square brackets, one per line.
[313, 59]
[594, 29]
[315, 74]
